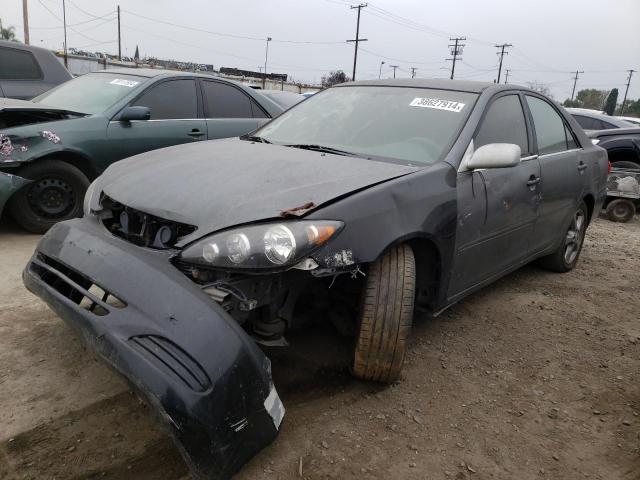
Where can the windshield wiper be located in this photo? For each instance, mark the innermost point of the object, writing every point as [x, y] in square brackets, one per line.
[321, 148]
[254, 138]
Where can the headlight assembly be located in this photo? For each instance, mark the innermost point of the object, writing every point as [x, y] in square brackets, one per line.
[268, 245]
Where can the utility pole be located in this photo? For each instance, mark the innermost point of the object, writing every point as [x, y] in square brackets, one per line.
[64, 24]
[506, 76]
[626, 91]
[266, 56]
[380, 72]
[413, 72]
[394, 70]
[357, 40]
[456, 51]
[575, 81]
[25, 21]
[502, 53]
[119, 42]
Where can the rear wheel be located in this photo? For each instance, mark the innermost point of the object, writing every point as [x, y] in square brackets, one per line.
[54, 195]
[385, 316]
[566, 256]
[621, 210]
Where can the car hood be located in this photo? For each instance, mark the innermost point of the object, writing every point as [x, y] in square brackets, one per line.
[14, 105]
[218, 184]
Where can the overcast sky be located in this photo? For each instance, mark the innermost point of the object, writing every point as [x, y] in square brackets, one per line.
[550, 37]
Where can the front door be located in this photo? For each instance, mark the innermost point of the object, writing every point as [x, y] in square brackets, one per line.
[174, 119]
[498, 207]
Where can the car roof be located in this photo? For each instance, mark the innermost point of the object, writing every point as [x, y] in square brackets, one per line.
[435, 83]
[22, 46]
[599, 116]
[151, 72]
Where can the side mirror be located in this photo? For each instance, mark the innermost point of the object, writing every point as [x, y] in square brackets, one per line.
[495, 155]
[135, 113]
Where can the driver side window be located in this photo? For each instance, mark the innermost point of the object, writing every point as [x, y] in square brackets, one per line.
[504, 123]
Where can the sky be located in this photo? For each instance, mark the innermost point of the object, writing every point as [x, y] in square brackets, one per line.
[550, 38]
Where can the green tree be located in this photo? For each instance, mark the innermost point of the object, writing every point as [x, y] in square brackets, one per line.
[610, 103]
[632, 108]
[334, 78]
[591, 98]
[8, 33]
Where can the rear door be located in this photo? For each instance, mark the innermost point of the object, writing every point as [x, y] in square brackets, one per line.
[563, 171]
[230, 112]
[497, 207]
[176, 117]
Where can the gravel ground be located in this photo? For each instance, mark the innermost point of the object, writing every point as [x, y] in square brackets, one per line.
[533, 377]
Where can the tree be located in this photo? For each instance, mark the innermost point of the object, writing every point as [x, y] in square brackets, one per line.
[540, 88]
[632, 108]
[8, 33]
[610, 103]
[588, 98]
[334, 78]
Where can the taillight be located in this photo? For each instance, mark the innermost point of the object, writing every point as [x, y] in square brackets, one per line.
[609, 167]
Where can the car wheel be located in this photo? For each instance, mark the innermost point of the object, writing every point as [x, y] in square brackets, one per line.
[621, 210]
[626, 165]
[566, 256]
[385, 316]
[55, 194]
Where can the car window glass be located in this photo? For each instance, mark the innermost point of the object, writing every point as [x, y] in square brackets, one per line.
[607, 125]
[18, 65]
[174, 99]
[549, 126]
[227, 101]
[571, 141]
[257, 111]
[504, 123]
[586, 122]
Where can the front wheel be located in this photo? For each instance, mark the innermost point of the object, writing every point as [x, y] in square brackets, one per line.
[55, 194]
[566, 256]
[385, 317]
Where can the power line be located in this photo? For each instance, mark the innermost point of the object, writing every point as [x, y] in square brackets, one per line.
[357, 40]
[626, 90]
[456, 51]
[501, 54]
[575, 81]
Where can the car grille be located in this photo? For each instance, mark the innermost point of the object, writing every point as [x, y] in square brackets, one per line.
[140, 228]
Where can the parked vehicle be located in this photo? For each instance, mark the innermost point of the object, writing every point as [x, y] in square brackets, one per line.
[622, 145]
[27, 71]
[597, 121]
[623, 194]
[284, 99]
[355, 204]
[634, 120]
[67, 136]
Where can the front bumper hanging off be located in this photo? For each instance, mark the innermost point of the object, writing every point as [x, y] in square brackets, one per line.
[190, 360]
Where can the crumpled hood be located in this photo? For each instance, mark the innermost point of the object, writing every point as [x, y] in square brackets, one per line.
[218, 184]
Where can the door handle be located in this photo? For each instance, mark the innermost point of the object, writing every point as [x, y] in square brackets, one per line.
[533, 181]
[582, 166]
[195, 133]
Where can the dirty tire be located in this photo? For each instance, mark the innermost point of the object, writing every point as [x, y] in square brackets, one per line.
[56, 194]
[626, 165]
[621, 210]
[385, 316]
[566, 256]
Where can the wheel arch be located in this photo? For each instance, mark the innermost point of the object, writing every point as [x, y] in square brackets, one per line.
[70, 157]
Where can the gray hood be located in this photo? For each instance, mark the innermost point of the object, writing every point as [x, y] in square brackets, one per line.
[218, 184]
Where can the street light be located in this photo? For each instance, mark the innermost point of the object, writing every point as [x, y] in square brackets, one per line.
[266, 56]
[380, 74]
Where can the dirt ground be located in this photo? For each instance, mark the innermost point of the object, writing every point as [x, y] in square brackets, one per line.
[534, 377]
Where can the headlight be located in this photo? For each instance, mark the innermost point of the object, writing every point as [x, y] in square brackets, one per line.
[86, 206]
[262, 246]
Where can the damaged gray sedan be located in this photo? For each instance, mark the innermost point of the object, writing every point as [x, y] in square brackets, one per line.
[355, 207]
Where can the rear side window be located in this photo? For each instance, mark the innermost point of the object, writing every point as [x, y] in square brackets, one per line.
[174, 99]
[504, 123]
[18, 65]
[552, 134]
[226, 101]
[587, 123]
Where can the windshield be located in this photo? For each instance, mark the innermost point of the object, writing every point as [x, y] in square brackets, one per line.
[410, 124]
[91, 93]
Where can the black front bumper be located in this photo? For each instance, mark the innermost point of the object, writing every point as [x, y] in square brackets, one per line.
[210, 383]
